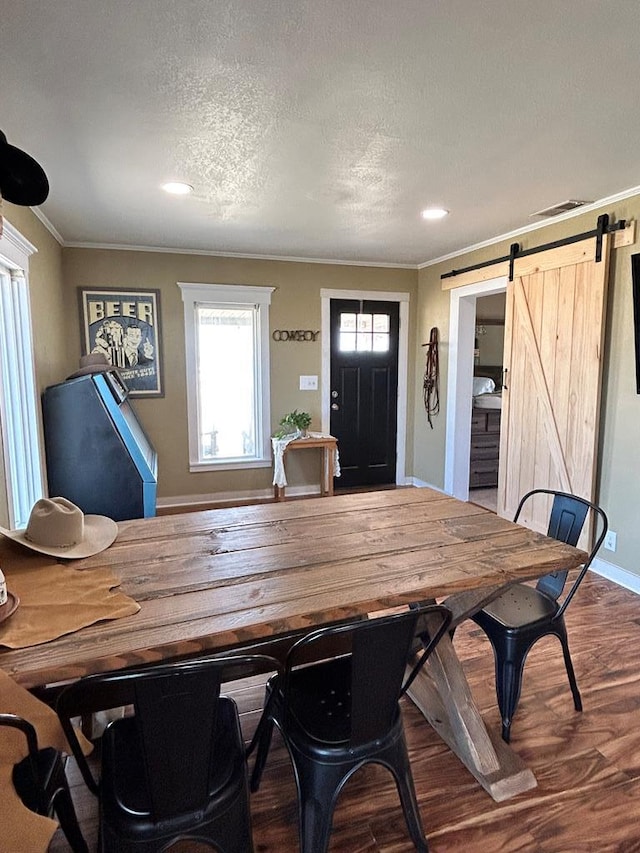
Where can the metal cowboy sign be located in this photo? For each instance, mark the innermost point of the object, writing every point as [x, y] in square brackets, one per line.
[295, 335]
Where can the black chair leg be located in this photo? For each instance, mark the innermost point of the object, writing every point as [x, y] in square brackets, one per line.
[510, 657]
[577, 699]
[318, 786]
[263, 744]
[510, 661]
[406, 789]
[233, 829]
[66, 814]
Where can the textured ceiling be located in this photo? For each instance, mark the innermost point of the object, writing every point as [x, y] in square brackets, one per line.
[319, 129]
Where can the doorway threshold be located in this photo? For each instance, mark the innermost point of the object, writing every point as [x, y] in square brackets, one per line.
[488, 498]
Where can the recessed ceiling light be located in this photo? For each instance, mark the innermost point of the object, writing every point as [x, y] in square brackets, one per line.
[177, 188]
[434, 213]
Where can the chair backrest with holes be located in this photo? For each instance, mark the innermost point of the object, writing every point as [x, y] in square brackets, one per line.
[374, 654]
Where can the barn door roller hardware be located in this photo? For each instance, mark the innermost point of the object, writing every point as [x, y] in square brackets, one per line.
[603, 226]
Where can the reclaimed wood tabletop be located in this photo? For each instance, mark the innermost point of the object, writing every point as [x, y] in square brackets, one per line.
[241, 576]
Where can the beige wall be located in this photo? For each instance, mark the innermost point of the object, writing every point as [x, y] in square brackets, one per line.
[619, 456]
[295, 305]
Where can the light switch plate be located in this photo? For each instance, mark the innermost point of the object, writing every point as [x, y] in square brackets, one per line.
[308, 383]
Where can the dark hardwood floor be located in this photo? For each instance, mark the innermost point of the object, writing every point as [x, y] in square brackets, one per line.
[587, 765]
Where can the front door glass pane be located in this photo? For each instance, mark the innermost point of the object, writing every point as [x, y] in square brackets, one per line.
[364, 332]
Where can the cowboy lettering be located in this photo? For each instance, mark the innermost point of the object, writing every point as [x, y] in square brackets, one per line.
[111, 308]
[295, 335]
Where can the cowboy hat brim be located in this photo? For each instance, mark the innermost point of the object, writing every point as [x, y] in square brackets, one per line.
[22, 179]
[99, 533]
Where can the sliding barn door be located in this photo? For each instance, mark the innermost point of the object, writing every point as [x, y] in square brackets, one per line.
[554, 332]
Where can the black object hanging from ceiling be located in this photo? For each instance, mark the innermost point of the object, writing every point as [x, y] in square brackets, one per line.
[22, 179]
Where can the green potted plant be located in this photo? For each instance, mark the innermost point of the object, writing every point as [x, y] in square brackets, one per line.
[294, 421]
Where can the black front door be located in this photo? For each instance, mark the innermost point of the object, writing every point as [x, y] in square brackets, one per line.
[364, 389]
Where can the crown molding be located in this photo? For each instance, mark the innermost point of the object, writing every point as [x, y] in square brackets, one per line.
[239, 255]
[48, 225]
[536, 226]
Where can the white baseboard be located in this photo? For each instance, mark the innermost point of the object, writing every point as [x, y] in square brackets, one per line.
[299, 491]
[184, 501]
[623, 577]
[421, 484]
[258, 495]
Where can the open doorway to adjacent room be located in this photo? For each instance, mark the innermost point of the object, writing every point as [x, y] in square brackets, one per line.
[466, 356]
[486, 408]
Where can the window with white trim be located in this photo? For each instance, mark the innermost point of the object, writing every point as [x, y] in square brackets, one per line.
[227, 359]
[19, 404]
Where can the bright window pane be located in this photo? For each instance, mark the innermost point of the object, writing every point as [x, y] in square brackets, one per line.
[226, 382]
[226, 331]
[381, 343]
[365, 322]
[364, 343]
[380, 322]
[347, 322]
[347, 341]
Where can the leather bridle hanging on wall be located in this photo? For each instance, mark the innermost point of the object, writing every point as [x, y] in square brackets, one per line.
[431, 383]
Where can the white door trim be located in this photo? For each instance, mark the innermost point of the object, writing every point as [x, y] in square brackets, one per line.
[462, 320]
[326, 296]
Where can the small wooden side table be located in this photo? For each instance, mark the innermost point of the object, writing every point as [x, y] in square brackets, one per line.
[328, 444]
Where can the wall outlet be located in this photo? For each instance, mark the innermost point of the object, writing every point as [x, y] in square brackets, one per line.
[611, 540]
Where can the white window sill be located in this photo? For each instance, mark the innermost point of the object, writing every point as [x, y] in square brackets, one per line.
[229, 465]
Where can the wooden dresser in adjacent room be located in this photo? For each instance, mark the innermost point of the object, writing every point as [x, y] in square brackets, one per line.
[485, 448]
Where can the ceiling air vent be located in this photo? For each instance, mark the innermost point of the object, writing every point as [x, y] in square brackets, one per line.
[563, 207]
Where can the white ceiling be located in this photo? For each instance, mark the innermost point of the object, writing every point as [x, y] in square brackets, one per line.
[319, 129]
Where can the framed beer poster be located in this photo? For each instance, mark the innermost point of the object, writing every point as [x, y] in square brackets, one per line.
[124, 326]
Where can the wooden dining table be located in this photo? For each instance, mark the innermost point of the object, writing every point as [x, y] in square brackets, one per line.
[258, 576]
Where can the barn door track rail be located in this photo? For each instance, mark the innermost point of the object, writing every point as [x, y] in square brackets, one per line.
[603, 226]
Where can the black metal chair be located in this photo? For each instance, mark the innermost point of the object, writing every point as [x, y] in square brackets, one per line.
[337, 707]
[41, 783]
[176, 768]
[523, 614]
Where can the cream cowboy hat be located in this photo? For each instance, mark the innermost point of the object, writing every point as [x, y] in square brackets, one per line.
[59, 528]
